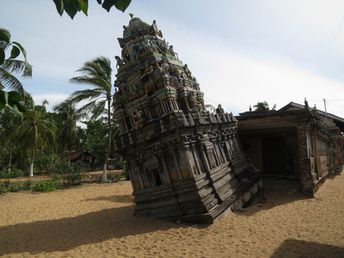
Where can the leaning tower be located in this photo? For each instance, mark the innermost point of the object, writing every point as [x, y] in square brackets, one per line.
[185, 163]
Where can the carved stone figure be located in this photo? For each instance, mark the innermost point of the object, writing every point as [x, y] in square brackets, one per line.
[126, 56]
[148, 70]
[193, 104]
[138, 119]
[175, 82]
[159, 72]
[154, 26]
[164, 63]
[172, 52]
[187, 71]
[220, 110]
[119, 63]
[125, 31]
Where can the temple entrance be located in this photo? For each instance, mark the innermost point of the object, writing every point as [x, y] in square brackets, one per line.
[278, 157]
[273, 153]
[156, 176]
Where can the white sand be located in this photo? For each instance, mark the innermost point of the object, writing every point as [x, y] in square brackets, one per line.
[96, 221]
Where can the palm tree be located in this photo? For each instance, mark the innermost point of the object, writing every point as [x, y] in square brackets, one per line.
[35, 132]
[261, 107]
[96, 73]
[9, 121]
[69, 116]
[11, 65]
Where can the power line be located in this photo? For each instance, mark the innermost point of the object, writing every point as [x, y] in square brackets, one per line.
[339, 31]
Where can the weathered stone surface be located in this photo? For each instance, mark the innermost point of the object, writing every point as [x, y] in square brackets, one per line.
[184, 162]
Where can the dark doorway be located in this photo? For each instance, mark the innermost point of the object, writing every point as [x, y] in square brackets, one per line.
[157, 177]
[278, 157]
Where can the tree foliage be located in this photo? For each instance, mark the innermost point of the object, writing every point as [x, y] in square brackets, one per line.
[35, 132]
[97, 74]
[263, 107]
[67, 117]
[10, 51]
[71, 7]
[28, 132]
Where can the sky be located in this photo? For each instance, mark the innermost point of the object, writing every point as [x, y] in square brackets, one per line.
[241, 52]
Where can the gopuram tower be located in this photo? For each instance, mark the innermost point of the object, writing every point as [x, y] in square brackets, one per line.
[185, 163]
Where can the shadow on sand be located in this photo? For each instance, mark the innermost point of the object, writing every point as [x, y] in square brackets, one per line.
[297, 248]
[67, 233]
[95, 227]
[128, 198]
[277, 191]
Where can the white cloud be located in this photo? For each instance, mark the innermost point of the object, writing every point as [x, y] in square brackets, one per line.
[238, 80]
[52, 98]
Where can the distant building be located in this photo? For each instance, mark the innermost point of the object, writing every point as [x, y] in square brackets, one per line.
[82, 157]
[295, 141]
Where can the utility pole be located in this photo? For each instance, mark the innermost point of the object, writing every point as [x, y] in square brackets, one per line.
[325, 105]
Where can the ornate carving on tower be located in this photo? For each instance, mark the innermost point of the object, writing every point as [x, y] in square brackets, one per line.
[184, 162]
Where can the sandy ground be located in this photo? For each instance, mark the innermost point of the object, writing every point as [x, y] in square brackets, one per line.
[96, 221]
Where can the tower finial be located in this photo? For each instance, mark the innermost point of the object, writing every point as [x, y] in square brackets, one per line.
[306, 104]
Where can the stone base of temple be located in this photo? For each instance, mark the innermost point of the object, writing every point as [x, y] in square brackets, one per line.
[230, 187]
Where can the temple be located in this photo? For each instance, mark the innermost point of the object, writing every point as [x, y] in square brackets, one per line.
[295, 142]
[185, 163]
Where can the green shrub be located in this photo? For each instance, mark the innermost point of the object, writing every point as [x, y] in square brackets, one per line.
[113, 178]
[15, 187]
[3, 188]
[73, 177]
[27, 185]
[44, 186]
[7, 186]
[14, 172]
[70, 174]
[55, 177]
[61, 167]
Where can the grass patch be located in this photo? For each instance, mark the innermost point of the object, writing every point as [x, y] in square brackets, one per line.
[45, 186]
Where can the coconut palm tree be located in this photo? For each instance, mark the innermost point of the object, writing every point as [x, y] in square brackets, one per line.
[34, 133]
[96, 73]
[69, 116]
[11, 65]
[9, 121]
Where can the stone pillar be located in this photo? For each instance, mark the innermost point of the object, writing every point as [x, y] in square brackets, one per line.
[186, 159]
[176, 165]
[166, 176]
[196, 159]
[205, 159]
[303, 162]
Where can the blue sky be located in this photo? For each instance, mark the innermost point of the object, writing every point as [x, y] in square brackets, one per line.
[241, 52]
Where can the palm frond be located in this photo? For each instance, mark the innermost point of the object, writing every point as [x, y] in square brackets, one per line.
[87, 94]
[98, 109]
[96, 72]
[10, 81]
[18, 66]
[97, 82]
[87, 107]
